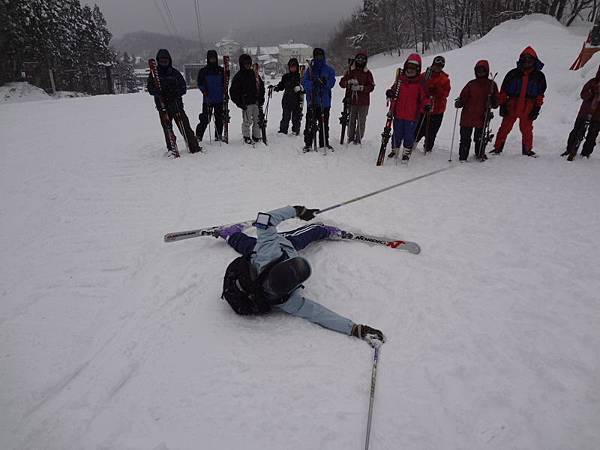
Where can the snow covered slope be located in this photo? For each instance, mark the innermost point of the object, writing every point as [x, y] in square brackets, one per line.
[110, 338]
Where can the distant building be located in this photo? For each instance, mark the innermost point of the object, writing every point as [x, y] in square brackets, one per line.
[141, 77]
[301, 52]
[227, 47]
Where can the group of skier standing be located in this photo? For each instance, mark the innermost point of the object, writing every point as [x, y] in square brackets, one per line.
[418, 101]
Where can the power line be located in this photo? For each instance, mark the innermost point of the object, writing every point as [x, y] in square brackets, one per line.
[197, 8]
[164, 20]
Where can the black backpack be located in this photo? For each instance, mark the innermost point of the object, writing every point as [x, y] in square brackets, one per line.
[243, 293]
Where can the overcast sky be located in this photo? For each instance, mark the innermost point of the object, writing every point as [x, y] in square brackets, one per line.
[220, 16]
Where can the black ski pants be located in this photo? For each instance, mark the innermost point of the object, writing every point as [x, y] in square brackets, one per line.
[313, 127]
[578, 133]
[205, 117]
[429, 125]
[183, 124]
[295, 115]
[465, 143]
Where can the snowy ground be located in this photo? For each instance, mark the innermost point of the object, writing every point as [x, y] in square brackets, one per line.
[112, 339]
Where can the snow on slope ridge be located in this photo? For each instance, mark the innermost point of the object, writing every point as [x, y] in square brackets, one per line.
[112, 339]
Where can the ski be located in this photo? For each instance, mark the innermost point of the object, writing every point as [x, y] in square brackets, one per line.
[226, 116]
[387, 129]
[209, 231]
[398, 244]
[164, 114]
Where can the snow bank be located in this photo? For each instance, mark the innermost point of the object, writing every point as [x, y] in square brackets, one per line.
[21, 92]
[110, 338]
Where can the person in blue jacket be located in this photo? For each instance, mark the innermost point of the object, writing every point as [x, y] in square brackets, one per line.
[277, 253]
[211, 82]
[172, 88]
[318, 81]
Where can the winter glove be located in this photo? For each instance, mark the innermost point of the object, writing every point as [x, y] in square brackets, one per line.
[490, 115]
[390, 93]
[304, 213]
[366, 332]
[503, 110]
[427, 108]
[458, 103]
[352, 81]
[298, 89]
[357, 87]
[535, 112]
[277, 89]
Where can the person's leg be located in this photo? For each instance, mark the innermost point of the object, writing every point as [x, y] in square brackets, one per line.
[397, 136]
[296, 119]
[183, 123]
[526, 128]
[590, 140]
[303, 236]
[204, 119]
[505, 127]
[435, 122]
[308, 131]
[256, 133]
[575, 136]
[285, 120]
[326, 124]
[246, 123]
[166, 123]
[242, 243]
[479, 150]
[363, 111]
[218, 111]
[465, 143]
[352, 119]
[410, 131]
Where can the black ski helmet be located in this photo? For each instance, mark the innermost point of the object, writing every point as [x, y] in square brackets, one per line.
[286, 276]
[439, 61]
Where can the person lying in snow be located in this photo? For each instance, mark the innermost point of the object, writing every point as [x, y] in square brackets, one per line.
[270, 274]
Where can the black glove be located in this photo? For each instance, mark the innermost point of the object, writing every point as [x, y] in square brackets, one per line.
[503, 110]
[366, 332]
[390, 93]
[490, 115]
[458, 103]
[427, 108]
[304, 213]
[535, 112]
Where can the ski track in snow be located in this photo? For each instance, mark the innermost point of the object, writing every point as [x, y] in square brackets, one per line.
[111, 338]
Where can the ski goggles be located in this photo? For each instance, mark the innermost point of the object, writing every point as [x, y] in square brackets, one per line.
[439, 61]
[361, 59]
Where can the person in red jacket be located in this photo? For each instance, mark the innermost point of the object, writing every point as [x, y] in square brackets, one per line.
[410, 102]
[438, 88]
[588, 119]
[477, 98]
[359, 84]
[521, 97]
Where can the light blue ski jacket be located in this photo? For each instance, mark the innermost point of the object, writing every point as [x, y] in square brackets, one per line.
[270, 246]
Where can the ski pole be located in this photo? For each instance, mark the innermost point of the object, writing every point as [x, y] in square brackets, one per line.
[453, 135]
[379, 191]
[376, 344]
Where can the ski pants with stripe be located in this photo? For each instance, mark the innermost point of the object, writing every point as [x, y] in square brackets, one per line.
[300, 238]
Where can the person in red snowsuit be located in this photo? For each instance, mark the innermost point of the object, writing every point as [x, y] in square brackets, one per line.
[477, 98]
[438, 89]
[521, 97]
[588, 119]
[411, 101]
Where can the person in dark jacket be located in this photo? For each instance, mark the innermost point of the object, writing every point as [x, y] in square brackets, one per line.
[438, 88]
[477, 98]
[293, 92]
[211, 82]
[248, 92]
[588, 119]
[359, 84]
[318, 81]
[172, 88]
[521, 97]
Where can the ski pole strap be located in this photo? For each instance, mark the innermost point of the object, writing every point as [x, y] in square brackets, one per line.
[379, 191]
